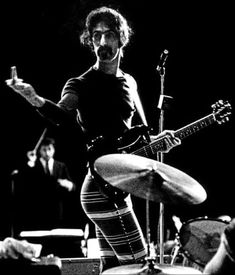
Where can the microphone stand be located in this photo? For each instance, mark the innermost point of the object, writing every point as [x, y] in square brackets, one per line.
[13, 175]
[161, 105]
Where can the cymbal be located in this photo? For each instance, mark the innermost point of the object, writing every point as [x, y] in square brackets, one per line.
[134, 269]
[149, 179]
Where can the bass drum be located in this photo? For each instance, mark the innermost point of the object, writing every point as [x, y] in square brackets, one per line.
[200, 238]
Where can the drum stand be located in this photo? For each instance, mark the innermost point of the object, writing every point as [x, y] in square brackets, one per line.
[150, 267]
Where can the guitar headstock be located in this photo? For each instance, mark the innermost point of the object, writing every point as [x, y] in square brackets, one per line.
[222, 111]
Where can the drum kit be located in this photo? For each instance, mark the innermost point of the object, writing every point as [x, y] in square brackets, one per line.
[199, 240]
[155, 181]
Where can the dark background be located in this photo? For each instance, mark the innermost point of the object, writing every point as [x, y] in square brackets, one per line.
[41, 38]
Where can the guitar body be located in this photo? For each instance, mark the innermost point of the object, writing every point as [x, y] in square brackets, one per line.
[133, 139]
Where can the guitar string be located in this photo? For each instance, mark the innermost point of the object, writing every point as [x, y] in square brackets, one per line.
[183, 132]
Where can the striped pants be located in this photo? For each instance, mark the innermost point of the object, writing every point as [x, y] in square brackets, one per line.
[118, 232]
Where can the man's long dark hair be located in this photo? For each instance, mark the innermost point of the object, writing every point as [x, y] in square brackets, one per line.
[112, 19]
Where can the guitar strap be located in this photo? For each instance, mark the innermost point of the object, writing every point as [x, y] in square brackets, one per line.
[140, 110]
[139, 107]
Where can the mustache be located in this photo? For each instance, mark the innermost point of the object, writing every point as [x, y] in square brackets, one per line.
[104, 52]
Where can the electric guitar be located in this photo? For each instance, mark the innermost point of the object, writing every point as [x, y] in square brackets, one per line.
[220, 114]
[136, 140]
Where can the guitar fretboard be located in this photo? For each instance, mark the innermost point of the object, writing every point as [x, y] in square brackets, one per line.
[195, 126]
[158, 145]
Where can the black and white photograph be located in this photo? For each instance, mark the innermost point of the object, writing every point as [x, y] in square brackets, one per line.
[117, 137]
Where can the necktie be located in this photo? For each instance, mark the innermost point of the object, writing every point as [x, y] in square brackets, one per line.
[47, 171]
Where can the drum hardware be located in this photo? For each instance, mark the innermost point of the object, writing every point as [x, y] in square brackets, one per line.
[198, 240]
[159, 269]
[155, 181]
[149, 179]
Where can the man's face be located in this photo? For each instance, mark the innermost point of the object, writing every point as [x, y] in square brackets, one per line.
[105, 42]
[47, 151]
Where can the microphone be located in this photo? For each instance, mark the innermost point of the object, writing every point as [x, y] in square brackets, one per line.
[163, 58]
[14, 172]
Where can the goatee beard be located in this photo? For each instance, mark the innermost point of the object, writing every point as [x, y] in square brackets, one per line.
[105, 52]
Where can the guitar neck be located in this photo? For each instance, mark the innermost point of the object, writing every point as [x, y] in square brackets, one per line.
[195, 126]
[158, 145]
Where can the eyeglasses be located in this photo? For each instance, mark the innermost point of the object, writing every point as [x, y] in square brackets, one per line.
[97, 35]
